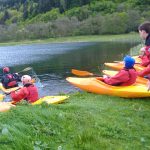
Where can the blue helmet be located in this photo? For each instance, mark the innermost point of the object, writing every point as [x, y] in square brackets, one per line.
[129, 62]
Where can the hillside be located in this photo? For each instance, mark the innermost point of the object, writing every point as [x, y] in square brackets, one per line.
[57, 18]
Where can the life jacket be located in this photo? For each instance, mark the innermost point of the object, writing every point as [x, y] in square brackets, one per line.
[29, 93]
[32, 93]
[124, 77]
[145, 59]
[132, 77]
[10, 81]
[147, 51]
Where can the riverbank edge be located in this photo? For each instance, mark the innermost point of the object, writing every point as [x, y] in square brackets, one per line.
[89, 38]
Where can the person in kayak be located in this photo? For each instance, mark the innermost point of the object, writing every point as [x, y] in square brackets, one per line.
[28, 92]
[9, 80]
[144, 31]
[125, 77]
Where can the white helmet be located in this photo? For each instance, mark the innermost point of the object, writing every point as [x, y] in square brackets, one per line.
[26, 79]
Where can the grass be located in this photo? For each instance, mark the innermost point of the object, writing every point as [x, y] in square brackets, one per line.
[87, 38]
[84, 122]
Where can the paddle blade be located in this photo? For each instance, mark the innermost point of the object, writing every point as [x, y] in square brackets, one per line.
[26, 69]
[81, 73]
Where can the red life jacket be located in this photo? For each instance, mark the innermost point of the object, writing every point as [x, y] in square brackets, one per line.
[132, 77]
[145, 59]
[11, 80]
[32, 95]
[124, 77]
[29, 92]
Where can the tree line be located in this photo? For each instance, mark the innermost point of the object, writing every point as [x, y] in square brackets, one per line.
[32, 19]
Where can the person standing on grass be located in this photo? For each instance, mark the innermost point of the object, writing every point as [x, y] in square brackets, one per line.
[144, 31]
[125, 77]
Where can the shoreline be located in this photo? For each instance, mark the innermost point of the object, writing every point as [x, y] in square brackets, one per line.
[91, 38]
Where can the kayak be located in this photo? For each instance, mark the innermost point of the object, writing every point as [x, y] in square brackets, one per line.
[5, 106]
[119, 66]
[1, 97]
[51, 100]
[95, 85]
[13, 89]
[137, 59]
[7, 90]
[112, 73]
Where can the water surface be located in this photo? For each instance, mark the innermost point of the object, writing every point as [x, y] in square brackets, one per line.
[53, 62]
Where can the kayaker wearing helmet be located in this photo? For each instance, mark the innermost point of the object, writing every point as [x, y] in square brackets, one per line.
[125, 77]
[144, 31]
[9, 80]
[28, 92]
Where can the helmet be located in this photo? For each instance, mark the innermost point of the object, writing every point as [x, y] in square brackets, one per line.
[6, 69]
[129, 62]
[26, 79]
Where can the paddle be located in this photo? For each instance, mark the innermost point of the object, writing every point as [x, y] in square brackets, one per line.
[83, 73]
[26, 69]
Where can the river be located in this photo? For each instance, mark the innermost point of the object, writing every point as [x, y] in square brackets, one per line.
[52, 63]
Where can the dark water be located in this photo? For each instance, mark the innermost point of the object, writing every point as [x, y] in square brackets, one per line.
[53, 62]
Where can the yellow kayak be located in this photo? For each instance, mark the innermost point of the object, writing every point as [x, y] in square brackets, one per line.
[119, 66]
[5, 106]
[51, 100]
[137, 59]
[7, 90]
[95, 85]
[138, 80]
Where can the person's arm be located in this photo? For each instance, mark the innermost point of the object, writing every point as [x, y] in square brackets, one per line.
[121, 77]
[144, 72]
[19, 95]
[144, 61]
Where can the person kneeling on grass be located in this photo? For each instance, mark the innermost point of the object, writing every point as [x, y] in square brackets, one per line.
[125, 77]
[28, 92]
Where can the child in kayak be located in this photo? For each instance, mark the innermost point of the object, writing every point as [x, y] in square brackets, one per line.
[9, 80]
[28, 92]
[144, 31]
[125, 77]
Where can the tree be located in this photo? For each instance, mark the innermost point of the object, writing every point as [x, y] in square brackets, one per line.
[5, 17]
[25, 10]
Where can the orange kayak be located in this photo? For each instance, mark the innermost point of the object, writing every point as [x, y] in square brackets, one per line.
[138, 80]
[137, 59]
[95, 85]
[119, 66]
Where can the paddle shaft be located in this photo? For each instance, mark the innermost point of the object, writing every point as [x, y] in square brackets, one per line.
[83, 73]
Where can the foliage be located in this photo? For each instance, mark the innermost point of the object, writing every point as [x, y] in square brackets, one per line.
[34, 19]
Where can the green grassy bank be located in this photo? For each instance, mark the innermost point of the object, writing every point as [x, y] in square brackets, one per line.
[84, 122]
[132, 37]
